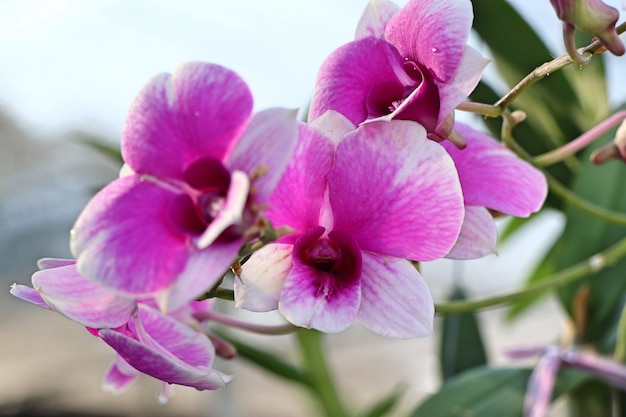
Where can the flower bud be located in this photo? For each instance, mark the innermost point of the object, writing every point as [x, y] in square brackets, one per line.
[615, 149]
[592, 16]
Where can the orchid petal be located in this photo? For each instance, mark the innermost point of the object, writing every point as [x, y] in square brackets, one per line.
[232, 212]
[298, 197]
[80, 300]
[262, 277]
[375, 17]
[410, 205]
[541, 384]
[198, 112]
[265, 149]
[478, 235]
[465, 80]
[119, 377]
[48, 263]
[29, 294]
[395, 299]
[169, 351]
[333, 125]
[609, 370]
[416, 32]
[349, 74]
[493, 176]
[125, 239]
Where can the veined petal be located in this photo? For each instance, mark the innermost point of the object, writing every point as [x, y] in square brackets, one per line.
[541, 384]
[48, 263]
[29, 294]
[125, 239]
[375, 17]
[465, 80]
[395, 299]
[319, 299]
[265, 149]
[198, 112]
[416, 32]
[169, 351]
[348, 75]
[409, 202]
[119, 376]
[494, 177]
[262, 277]
[297, 199]
[83, 301]
[478, 235]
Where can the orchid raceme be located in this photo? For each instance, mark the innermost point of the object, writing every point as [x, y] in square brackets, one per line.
[200, 168]
[146, 340]
[403, 65]
[492, 178]
[361, 202]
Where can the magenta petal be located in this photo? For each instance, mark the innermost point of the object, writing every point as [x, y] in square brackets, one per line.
[169, 351]
[416, 31]
[297, 199]
[409, 203]
[375, 17]
[125, 239]
[198, 112]
[28, 294]
[348, 75]
[119, 376]
[265, 149]
[317, 299]
[83, 301]
[395, 300]
[541, 384]
[494, 177]
[478, 235]
[48, 263]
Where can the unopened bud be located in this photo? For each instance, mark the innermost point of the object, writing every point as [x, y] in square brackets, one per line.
[615, 149]
[592, 16]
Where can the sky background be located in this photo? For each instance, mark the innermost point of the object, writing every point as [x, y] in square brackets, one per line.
[76, 64]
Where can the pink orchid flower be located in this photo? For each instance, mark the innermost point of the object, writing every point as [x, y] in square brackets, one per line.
[146, 341]
[361, 202]
[402, 65]
[492, 178]
[199, 167]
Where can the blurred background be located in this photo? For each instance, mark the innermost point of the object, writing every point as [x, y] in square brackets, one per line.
[69, 72]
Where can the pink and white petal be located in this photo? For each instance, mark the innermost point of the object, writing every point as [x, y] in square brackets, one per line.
[81, 300]
[465, 80]
[29, 294]
[265, 149]
[333, 125]
[416, 32]
[119, 377]
[478, 235]
[203, 270]
[319, 300]
[262, 277]
[348, 75]
[395, 299]
[125, 238]
[375, 17]
[494, 177]
[168, 350]
[396, 192]
[48, 263]
[198, 112]
[541, 384]
[297, 199]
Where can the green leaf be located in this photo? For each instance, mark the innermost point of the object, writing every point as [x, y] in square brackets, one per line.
[103, 146]
[268, 361]
[490, 392]
[461, 344]
[385, 405]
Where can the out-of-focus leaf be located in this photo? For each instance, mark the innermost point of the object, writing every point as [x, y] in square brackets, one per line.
[385, 405]
[490, 392]
[461, 345]
[102, 146]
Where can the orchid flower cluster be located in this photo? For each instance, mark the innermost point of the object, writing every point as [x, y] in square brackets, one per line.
[323, 220]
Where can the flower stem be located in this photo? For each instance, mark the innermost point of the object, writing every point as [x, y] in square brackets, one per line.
[594, 264]
[251, 327]
[620, 344]
[579, 143]
[322, 384]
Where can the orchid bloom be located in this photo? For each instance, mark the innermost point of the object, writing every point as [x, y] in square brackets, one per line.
[361, 202]
[199, 168]
[402, 65]
[492, 178]
[146, 341]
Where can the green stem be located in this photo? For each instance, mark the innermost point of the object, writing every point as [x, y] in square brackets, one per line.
[583, 205]
[594, 264]
[620, 344]
[322, 384]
